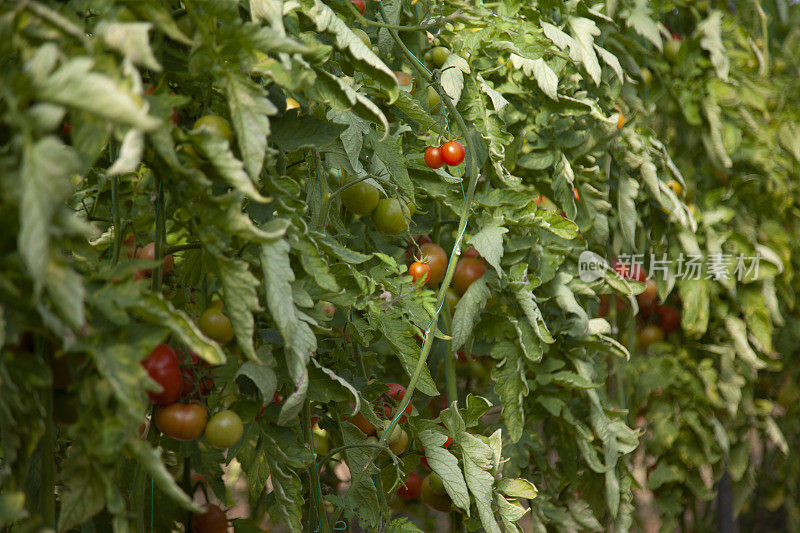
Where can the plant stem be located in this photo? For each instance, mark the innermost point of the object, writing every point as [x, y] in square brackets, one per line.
[117, 220]
[187, 488]
[181, 247]
[348, 184]
[47, 447]
[449, 358]
[471, 171]
[317, 503]
[159, 235]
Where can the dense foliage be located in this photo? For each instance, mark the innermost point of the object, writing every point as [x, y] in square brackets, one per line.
[238, 237]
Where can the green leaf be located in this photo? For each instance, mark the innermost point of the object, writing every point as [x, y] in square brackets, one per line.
[695, 297]
[489, 243]
[249, 109]
[150, 460]
[12, 508]
[359, 460]
[65, 288]
[640, 19]
[452, 76]
[44, 185]
[400, 335]
[241, 300]
[366, 60]
[477, 458]
[299, 340]
[626, 209]
[74, 84]
[130, 39]
[527, 302]
[583, 32]
[711, 30]
[511, 386]
[738, 332]
[390, 152]
[84, 496]
[292, 132]
[219, 153]
[467, 311]
[262, 376]
[446, 467]
[315, 265]
[340, 96]
[539, 69]
[517, 488]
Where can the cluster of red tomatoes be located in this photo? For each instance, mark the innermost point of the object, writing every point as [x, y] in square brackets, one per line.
[655, 320]
[451, 153]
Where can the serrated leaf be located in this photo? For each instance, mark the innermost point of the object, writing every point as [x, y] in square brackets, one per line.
[738, 332]
[510, 385]
[219, 153]
[626, 209]
[478, 458]
[44, 185]
[390, 152]
[711, 30]
[489, 243]
[131, 39]
[65, 288]
[74, 84]
[517, 488]
[446, 467]
[339, 95]
[262, 376]
[452, 76]
[640, 19]
[249, 109]
[583, 32]
[467, 311]
[239, 294]
[130, 153]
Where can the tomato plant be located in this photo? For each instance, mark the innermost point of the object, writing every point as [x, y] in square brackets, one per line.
[190, 173]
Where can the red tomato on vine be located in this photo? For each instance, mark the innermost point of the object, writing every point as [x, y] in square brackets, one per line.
[162, 366]
[467, 271]
[213, 520]
[453, 153]
[181, 421]
[419, 270]
[433, 157]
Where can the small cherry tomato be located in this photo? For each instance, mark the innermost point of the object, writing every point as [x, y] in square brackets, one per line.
[148, 253]
[411, 489]
[439, 55]
[216, 126]
[670, 318]
[649, 335]
[216, 325]
[419, 270]
[452, 299]
[648, 296]
[434, 495]
[361, 422]
[181, 421]
[396, 392]
[436, 259]
[391, 216]
[400, 445]
[467, 271]
[213, 520]
[360, 198]
[224, 429]
[361, 5]
[453, 153]
[433, 157]
[162, 366]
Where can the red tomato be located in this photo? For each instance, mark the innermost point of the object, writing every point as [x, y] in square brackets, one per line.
[411, 251]
[648, 296]
[148, 253]
[212, 521]
[433, 157]
[471, 252]
[181, 421]
[467, 271]
[453, 153]
[436, 258]
[361, 5]
[419, 270]
[162, 366]
[361, 422]
[670, 318]
[396, 392]
[410, 491]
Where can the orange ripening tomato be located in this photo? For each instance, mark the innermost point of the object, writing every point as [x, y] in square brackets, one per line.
[419, 270]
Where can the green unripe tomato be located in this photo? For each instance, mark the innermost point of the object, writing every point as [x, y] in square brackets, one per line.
[321, 441]
[224, 429]
[434, 100]
[363, 36]
[647, 76]
[216, 325]
[452, 299]
[361, 198]
[216, 126]
[672, 49]
[391, 216]
[401, 444]
[439, 55]
[395, 436]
